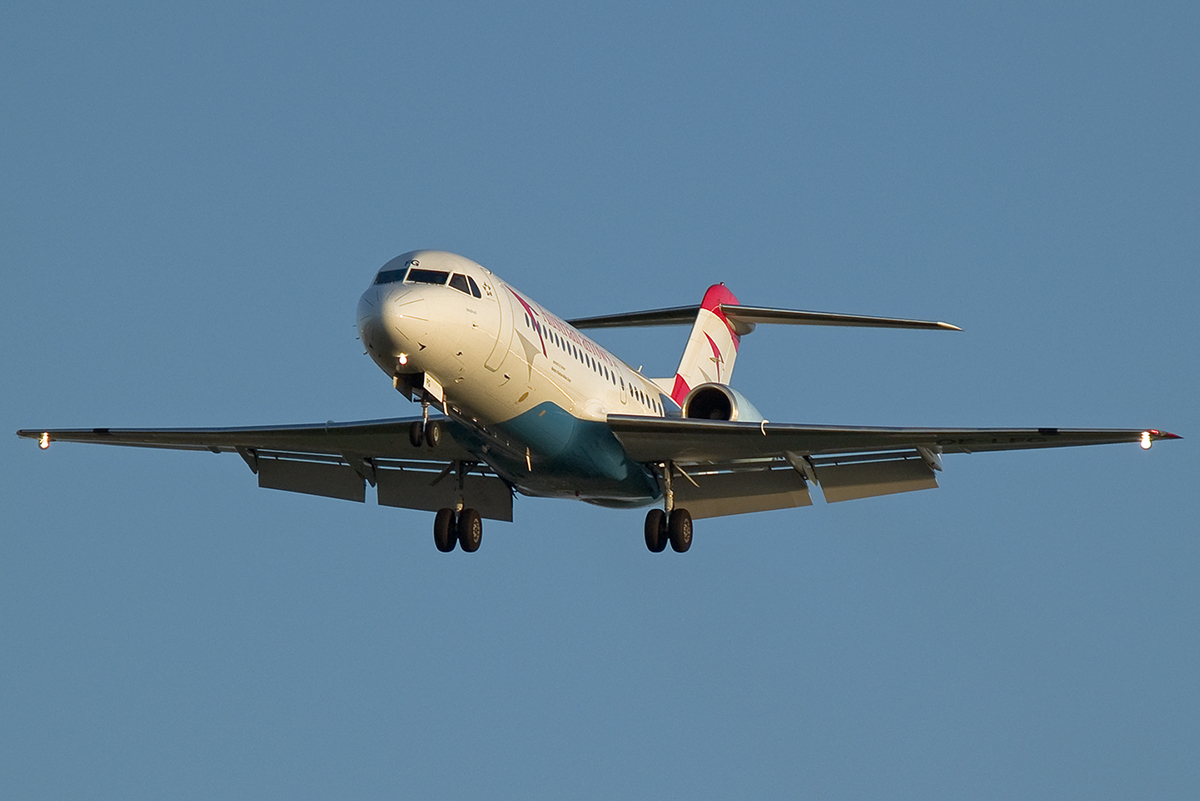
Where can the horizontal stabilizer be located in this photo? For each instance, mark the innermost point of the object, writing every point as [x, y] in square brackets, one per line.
[745, 318]
[759, 314]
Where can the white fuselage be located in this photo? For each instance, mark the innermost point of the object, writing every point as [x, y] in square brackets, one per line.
[522, 380]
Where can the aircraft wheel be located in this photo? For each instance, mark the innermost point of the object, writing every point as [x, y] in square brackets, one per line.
[656, 530]
[416, 434]
[445, 533]
[679, 528]
[470, 530]
[433, 434]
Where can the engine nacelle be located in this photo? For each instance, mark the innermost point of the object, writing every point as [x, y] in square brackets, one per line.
[719, 402]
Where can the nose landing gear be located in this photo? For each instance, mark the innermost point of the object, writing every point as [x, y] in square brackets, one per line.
[427, 433]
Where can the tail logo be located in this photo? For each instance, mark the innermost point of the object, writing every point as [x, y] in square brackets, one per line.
[717, 358]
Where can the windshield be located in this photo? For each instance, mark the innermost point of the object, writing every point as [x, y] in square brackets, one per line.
[419, 276]
[389, 276]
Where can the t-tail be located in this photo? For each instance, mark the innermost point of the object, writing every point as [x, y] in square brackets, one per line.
[719, 323]
[712, 348]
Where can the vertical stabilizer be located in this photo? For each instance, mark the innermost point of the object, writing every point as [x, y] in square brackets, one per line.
[712, 347]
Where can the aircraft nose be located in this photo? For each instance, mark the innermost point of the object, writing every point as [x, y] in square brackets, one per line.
[391, 321]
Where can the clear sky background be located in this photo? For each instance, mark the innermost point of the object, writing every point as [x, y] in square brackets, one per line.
[195, 195]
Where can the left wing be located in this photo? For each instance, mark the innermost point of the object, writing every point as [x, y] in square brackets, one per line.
[335, 460]
[734, 467]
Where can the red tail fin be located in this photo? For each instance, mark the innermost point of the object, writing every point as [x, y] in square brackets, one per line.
[712, 347]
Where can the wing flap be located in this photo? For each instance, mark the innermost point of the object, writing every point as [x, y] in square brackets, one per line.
[312, 478]
[429, 490]
[847, 482]
[736, 492]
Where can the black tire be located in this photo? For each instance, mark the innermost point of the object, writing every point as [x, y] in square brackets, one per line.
[445, 532]
[656, 530]
[470, 530]
[679, 529]
[416, 434]
[433, 434]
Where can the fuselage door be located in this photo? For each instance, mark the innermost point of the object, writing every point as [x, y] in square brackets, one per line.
[493, 290]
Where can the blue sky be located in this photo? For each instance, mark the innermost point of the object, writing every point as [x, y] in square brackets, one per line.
[195, 196]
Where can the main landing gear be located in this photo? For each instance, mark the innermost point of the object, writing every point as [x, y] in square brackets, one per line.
[673, 526]
[452, 528]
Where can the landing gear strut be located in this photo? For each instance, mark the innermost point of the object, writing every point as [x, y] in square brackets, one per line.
[425, 432]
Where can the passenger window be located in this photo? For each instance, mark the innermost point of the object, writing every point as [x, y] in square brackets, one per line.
[459, 282]
[474, 287]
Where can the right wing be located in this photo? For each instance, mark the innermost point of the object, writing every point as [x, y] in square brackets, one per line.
[334, 460]
[652, 439]
[729, 468]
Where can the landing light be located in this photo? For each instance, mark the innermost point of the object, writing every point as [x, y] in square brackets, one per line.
[1146, 442]
[402, 359]
[44, 442]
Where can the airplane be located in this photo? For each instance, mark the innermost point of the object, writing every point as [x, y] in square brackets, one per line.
[528, 404]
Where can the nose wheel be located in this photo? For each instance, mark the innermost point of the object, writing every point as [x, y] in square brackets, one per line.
[425, 433]
[452, 528]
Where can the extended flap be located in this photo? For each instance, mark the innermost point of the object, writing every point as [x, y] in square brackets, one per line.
[737, 493]
[846, 482]
[312, 478]
[421, 489]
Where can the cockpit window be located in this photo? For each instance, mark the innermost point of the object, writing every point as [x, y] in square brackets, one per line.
[474, 287]
[459, 282]
[389, 276]
[419, 276]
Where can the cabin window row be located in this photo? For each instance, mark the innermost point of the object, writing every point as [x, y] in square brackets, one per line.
[581, 355]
